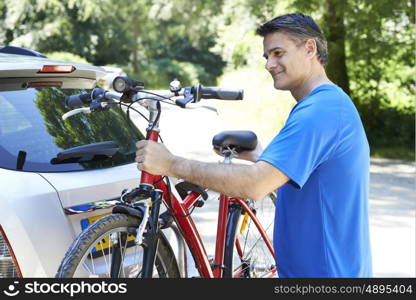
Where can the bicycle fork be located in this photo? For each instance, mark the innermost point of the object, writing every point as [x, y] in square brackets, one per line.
[151, 239]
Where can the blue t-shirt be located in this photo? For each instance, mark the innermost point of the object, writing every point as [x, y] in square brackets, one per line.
[321, 224]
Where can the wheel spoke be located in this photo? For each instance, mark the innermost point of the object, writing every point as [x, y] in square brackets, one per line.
[109, 255]
[92, 262]
[251, 255]
[86, 267]
[105, 259]
[123, 253]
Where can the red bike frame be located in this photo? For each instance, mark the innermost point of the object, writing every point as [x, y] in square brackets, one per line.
[180, 211]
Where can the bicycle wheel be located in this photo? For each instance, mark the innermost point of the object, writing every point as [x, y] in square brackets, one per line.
[246, 253]
[107, 249]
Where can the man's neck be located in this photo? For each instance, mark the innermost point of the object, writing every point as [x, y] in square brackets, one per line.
[309, 84]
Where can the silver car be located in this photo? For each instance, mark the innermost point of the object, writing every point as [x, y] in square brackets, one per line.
[54, 178]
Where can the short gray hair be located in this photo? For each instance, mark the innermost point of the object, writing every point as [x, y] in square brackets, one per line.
[301, 27]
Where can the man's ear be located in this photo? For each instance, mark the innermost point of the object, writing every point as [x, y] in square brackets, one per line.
[311, 48]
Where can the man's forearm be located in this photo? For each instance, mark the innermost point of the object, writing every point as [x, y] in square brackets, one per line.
[246, 181]
[230, 179]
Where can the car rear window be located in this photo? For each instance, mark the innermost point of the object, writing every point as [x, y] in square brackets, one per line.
[32, 132]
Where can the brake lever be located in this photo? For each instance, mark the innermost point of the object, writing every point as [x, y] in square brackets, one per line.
[183, 102]
[94, 107]
[200, 106]
[85, 110]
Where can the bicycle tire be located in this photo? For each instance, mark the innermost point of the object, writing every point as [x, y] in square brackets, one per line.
[78, 260]
[256, 259]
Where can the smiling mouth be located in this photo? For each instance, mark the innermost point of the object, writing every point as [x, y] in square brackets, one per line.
[274, 75]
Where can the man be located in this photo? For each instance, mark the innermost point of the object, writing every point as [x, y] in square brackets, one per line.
[319, 162]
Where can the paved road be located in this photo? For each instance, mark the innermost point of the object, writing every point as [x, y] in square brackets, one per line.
[392, 217]
[392, 193]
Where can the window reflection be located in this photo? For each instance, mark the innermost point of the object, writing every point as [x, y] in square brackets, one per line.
[31, 123]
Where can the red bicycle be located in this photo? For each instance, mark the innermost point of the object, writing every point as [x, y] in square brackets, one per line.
[131, 242]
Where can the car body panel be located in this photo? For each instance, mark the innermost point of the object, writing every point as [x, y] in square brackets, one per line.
[32, 204]
[81, 187]
[34, 222]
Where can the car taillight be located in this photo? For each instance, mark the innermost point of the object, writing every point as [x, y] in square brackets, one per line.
[57, 69]
[8, 262]
[43, 84]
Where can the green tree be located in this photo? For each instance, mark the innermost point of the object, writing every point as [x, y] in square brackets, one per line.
[133, 33]
[333, 19]
[371, 55]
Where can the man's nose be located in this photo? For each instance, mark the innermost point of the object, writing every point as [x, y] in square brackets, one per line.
[270, 64]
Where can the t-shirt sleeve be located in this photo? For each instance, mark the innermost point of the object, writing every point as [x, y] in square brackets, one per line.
[306, 140]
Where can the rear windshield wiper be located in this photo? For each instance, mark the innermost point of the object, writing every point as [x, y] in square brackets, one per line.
[90, 152]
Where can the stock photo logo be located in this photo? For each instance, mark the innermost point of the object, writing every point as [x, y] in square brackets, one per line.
[11, 290]
[62, 288]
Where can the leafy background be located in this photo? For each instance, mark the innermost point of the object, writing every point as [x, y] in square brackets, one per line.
[371, 49]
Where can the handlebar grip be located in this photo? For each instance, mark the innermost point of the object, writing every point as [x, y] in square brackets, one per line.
[78, 100]
[221, 93]
[82, 99]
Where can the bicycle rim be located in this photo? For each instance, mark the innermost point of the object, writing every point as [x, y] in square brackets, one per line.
[98, 260]
[110, 251]
[248, 255]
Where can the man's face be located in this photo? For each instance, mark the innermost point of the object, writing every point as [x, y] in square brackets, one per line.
[287, 61]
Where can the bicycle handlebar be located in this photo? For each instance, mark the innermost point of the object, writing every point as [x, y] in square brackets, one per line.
[221, 93]
[97, 99]
[78, 100]
[86, 98]
[197, 92]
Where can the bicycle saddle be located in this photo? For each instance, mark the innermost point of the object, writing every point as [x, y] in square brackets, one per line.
[239, 140]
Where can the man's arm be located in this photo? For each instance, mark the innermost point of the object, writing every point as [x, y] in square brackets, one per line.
[246, 181]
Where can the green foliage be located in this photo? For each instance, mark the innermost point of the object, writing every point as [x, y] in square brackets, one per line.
[157, 74]
[379, 44]
[67, 56]
[393, 151]
[158, 40]
[87, 28]
[381, 66]
[170, 53]
[130, 32]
